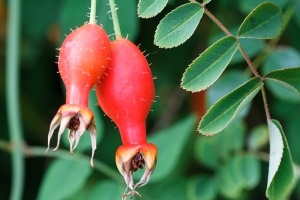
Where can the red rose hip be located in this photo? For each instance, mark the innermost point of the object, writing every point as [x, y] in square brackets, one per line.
[83, 58]
[126, 95]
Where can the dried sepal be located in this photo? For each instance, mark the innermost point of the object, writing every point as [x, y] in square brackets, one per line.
[77, 119]
[130, 158]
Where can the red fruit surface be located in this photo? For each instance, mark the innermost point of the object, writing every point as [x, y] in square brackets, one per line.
[84, 56]
[126, 92]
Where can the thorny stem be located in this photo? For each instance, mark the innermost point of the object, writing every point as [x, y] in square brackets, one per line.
[212, 17]
[265, 103]
[12, 99]
[35, 151]
[115, 19]
[93, 12]
[249, 61]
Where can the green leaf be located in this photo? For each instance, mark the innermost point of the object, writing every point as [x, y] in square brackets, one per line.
[251, 172]
[63, 178]
[281, 58]
[230, 178]
[280, 177]
[264, 22]
[228, 107]
[205, 146]
[175, 189]
[106, 189]
[178, 26]
[234, 134]
[220, 147]
[258, 137]
[247, 6]
[85, 140]
[230, 80]
[150, 8]
[292, 134]
[208, 67]
[201, 187]
[287, 78]
[180, 133]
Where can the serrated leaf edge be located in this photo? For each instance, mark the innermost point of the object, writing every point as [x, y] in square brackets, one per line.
[280, 11]
[169, 47]
[182, 86]
[259, 83]
[288, 86]
[147, 17]
[284, 141]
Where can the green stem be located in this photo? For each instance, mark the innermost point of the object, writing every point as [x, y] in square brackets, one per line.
[115, 19]
[35, 151]
[93, 12]
[12, 99]
[248, 61]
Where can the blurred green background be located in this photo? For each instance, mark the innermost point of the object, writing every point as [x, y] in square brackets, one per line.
[230, 165]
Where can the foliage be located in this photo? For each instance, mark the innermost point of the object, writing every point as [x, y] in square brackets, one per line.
[247, 69]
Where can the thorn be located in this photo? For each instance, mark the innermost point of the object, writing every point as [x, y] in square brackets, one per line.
[155, 77]
[71, 29]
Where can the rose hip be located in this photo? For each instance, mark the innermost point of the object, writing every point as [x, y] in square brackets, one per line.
[126, 94]
[83, 58]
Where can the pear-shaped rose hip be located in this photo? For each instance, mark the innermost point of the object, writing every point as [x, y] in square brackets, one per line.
[126, 95]
[83, 58]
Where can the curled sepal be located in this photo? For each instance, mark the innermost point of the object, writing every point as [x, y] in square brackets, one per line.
[77, 119]
[131, 157]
